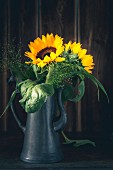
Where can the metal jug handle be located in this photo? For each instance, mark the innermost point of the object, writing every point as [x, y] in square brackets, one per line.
[16, 118]
[60, 123]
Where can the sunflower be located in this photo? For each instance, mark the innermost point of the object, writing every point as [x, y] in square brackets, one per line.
[45, 50]
[86, 60]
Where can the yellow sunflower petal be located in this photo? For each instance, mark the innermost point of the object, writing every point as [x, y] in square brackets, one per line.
[59, 50]
[44, 39]
[41, 64]
[47, 59]
[33, 45]
[40, 44]
[50, 40]
[38, 60]
[82, 53]
[33, 50]
[28, 62]
[59, 59]
[75, 47]
[89, 69]
[53, 56]
[87, 61]
[58, 41]
[30, 55]
[67, 46]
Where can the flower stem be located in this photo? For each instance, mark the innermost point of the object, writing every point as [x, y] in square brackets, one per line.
[66, 138]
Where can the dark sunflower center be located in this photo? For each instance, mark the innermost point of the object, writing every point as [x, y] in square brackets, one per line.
[45, 51]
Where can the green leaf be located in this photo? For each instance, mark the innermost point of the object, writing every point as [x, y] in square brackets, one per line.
[83, 142]
[40, 73]
[28, 72]
[96, 82]
[38, 97]
[35, 96]
[9, 103]
[36, 70]
[25, 85]
[75, 142]
[35, 100]
[22, 72]
[68, 93]
[25, 96]
[46, 89]
[81, 91]
[73, 57]
[78, 143]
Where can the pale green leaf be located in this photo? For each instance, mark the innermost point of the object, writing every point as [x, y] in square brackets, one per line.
[35, 96]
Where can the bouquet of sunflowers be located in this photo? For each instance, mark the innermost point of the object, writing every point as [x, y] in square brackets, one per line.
[52, 64]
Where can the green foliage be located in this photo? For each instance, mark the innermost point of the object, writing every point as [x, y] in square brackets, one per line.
[95, 81]
[70, 93]
[59, 73]
[10, 55]
[10, 102]
[33, 95]
[39, 73]
[35, 84]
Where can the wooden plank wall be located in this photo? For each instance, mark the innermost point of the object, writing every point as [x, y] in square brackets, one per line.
[97, 36]
[18, 22]
[28, 19]
[3, 74]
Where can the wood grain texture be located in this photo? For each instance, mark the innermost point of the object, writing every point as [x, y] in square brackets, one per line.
[96, 34]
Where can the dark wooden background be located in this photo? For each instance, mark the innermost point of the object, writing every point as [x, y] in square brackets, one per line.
[24, 20]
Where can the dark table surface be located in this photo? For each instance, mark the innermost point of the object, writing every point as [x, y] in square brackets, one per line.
[86, 157]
